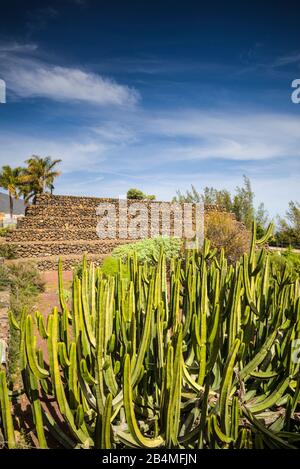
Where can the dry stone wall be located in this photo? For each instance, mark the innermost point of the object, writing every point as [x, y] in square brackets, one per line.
[66, 226]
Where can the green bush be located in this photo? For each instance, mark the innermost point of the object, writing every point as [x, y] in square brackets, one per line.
[25, 284]
[4, 278]
[287, 257]
[137, 194]
[26, 278]
[110, 266]
[4, 231]
[147, 249]
[7, 251]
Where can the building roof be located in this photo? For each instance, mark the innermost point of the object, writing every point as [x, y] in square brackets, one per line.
[19, 205]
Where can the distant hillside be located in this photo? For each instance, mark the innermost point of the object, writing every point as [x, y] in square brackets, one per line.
[19, 205]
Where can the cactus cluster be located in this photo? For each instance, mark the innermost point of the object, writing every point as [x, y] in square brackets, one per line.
[195, 353]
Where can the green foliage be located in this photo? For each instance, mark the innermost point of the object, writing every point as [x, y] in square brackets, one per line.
[25, 284]
[262, 220]
[110, 266]
[288, 232]
[4, 277]
[243, 203]
[196, 355]
[36, 178]
[10, 180]
[25, 278]
[240, 203]
[287, 258]
[5, 412]
[137, 194]
[7, 251]
[147, 250]
[6, 230]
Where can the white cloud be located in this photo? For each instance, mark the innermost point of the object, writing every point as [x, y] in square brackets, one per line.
[115, 132]
[228, 135]
[287, 59]
[80, 154]
[15, 47]
[138, 147]
[68, 84]
[27, 76]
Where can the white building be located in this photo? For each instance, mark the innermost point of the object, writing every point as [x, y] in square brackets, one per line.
[18, 210]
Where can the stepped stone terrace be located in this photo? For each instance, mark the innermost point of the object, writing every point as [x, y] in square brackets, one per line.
[66, 227]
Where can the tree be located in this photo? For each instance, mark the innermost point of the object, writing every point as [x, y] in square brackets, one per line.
[39, 175]
[10, 181]
[222, 198]
[137, 194]
[262, 220]
[243, 203]
[293, 215]
[210, 196]
[289, 228]
[192, 196]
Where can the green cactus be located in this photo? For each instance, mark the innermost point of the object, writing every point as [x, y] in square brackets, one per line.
[193, 353]
[6, 416]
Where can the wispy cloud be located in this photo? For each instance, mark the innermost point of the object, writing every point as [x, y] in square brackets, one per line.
[78, 154]
[156, 148]
[163, 152]
[69, 84]
[27, 77]
[287, 59]
[229, 135]
[16, 47]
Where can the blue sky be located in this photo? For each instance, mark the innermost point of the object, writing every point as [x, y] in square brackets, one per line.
[154, 94]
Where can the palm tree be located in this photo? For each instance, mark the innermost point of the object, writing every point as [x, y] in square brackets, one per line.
[40, 174]
[10, 181]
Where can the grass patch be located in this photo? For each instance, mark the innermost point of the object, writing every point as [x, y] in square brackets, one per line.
[25, 284]
[7, 251]
[6, 230]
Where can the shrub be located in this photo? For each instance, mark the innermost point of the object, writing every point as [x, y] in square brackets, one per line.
[110, 266]
[25, 283]
[147, 248]
[7, 251]
[5, 231]
[223, 230]
[26, 278]
[4, 277]
[287, 258]
[137, 194]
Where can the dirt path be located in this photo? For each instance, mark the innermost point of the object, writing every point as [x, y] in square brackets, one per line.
[49, 298]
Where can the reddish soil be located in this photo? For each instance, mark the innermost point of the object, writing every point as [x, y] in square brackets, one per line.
[49, 298]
